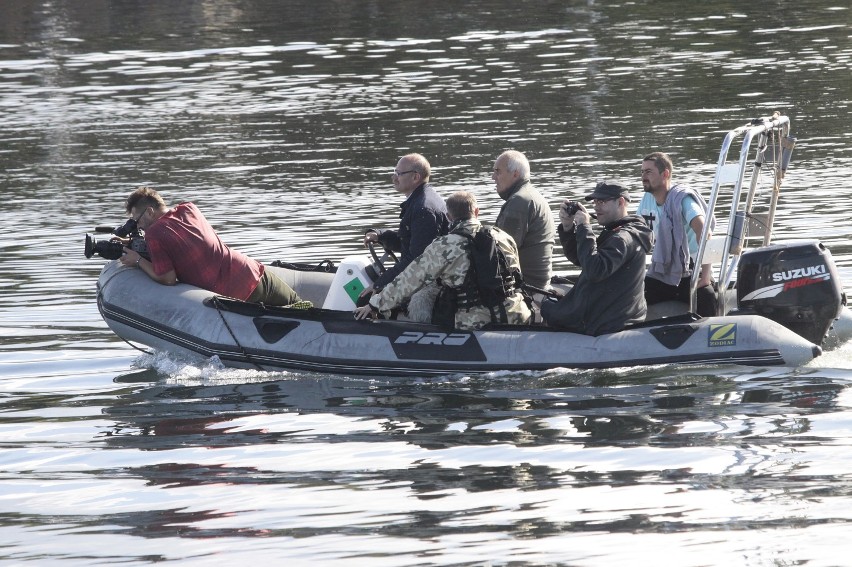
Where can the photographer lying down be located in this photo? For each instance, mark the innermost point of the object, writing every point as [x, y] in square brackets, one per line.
[184, 247]
[609, 293]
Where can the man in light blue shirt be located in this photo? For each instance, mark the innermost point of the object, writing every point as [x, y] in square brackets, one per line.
[677, 215]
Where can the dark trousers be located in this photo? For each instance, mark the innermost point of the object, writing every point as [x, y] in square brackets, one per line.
[272, 290]
[657, 291]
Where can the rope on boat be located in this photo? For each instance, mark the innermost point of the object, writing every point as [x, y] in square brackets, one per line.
[215, 301]
[324, 266]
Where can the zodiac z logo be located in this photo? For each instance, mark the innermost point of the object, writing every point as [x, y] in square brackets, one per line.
[722, 334]
[411, 337]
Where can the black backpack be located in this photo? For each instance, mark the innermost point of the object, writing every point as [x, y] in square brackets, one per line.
[488, 282]
[489, 268]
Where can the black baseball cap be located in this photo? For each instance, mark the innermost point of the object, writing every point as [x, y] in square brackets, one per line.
[609, 190]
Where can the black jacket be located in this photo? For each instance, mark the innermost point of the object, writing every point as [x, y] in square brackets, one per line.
[423, 217]
[610, 292]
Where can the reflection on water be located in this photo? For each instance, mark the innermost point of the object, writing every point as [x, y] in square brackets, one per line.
[193, 452]
[283, 121]
[444, 415]
[533, 437]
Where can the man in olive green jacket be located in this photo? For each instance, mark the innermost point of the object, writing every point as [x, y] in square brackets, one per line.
[525, 216]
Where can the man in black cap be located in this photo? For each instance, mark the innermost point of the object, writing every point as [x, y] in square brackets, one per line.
[609, 293]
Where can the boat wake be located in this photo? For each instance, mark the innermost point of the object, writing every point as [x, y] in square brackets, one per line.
[193, 371]
[839, 358]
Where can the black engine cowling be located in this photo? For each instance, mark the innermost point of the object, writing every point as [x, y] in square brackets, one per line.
[793, 283]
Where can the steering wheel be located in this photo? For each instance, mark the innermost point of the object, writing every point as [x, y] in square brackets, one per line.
[380, 262]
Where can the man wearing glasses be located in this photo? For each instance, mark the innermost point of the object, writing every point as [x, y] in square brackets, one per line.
[447, 264]
[185, 248]
[609, 293]
[423, 217]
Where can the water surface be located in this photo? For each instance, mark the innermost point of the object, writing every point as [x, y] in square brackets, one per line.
[282, 121]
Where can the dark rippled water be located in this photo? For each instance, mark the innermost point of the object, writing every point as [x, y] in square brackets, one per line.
[282, 121]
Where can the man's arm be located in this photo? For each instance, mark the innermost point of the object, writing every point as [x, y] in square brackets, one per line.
[514, 221]
[387, 238]
[132, 258]
[424, 229]
[568, 240]
[706, 275]
[567, 232]
[600, 262]
[424, 270]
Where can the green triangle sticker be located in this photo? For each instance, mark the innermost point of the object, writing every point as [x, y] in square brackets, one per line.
[354, 289]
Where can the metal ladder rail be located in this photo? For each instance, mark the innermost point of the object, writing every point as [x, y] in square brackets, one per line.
[782, 154]
[761, 129]
[730, 258]
[738, 220]
[782, 146]
[720, 177]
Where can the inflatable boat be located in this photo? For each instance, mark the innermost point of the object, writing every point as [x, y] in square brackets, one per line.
[779, 303]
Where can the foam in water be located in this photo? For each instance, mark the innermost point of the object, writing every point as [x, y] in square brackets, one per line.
[197, 371]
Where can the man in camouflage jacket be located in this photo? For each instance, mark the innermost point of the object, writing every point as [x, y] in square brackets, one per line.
[447, 260]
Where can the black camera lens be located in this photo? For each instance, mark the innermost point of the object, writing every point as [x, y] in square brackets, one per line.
[104, 249]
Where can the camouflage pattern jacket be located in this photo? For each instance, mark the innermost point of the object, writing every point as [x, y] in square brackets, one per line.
[447, 259]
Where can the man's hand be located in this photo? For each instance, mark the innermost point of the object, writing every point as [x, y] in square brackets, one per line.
[368, 291]
[130, 258]
[569, 218]
[706, 275]
[566, 219]
[366, 312]
[371, 236]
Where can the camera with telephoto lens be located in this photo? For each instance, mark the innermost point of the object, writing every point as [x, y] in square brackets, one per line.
[113, 249]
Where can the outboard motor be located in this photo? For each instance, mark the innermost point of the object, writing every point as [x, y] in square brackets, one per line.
[794, 284]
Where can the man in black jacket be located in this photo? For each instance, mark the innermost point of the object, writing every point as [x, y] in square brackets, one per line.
[609, 293]
[423, 217]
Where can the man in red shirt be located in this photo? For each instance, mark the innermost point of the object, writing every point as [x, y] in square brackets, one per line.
[184, 247]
